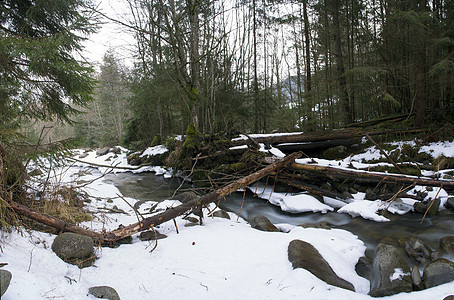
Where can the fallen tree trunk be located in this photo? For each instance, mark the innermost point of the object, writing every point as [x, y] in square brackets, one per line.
[365, 176]
[321, 136]
[115, 235]
[209, 198]
[56, 223]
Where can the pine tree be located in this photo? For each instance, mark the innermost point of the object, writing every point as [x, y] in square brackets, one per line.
[39, 74]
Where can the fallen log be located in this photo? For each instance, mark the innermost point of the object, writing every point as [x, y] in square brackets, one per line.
[209, 198]
[54, 222]
[321, 136]
[364, 176]
[115, 235]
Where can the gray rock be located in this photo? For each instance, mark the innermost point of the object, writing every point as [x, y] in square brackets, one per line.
[420, 207]
[447, 245]
[5, 279]
[364, 267]
[450, 297]
[262, 223]
[70, 245]
[416, 279]
[104, 292]
[221, 214]
[322, 225]
[388, 259]
[83, 155]
[450, 203]
[103, 151]
[115, 150]
[303, 255]
[186, 197]
[417, 249]
[151, 235]
[438, 272]
[433, 210]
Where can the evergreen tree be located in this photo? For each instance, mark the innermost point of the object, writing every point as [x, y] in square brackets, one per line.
[39, 74]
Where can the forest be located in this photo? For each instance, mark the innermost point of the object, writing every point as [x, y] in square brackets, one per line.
[227, 66]
[221, 96]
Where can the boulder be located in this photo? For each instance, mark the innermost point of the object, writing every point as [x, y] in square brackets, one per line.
[71, 247]
[263, 223]
[103, 151]
[364, 267]
[447, 245]
[433, 210]
[450, 203]
[115, 150]
[416, 279]
[151, 235]
[221, 214]
[303, 255]
[438, 272]
[104, 292]
[186, 197]
[417, 249]
[390, 272]
[5, 279]
[450, 297]
[420, 207]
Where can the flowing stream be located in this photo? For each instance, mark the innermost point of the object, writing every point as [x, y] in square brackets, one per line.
[149, 187]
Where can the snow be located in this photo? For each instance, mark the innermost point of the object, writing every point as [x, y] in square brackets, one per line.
[151, 151]
[398, 274]
[364, 208]
[223, 259]
[291, 203]
[445, 148]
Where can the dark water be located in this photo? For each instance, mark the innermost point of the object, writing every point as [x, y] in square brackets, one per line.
[149, 187]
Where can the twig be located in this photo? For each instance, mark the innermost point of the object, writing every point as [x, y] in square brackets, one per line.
[133, 208]
[176, 226]
[431, 203]
[31, 257]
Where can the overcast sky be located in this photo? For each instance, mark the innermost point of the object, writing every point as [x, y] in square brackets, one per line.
[110, 35]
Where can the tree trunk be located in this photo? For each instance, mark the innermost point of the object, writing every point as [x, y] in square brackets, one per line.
[343, 94]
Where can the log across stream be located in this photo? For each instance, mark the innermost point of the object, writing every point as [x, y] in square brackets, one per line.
[370, 232]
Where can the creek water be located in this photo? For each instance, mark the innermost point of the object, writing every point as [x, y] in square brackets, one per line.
[149, 187]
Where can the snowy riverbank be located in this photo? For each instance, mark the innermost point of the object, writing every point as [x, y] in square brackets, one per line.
[222, 259]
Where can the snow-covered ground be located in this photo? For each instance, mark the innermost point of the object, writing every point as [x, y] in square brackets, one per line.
[222, 259]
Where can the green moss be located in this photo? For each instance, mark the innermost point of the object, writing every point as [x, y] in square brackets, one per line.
[191, 141]
[232, 168]
[156, 140]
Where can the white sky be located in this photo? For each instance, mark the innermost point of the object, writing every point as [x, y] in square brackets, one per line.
[111, 35]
